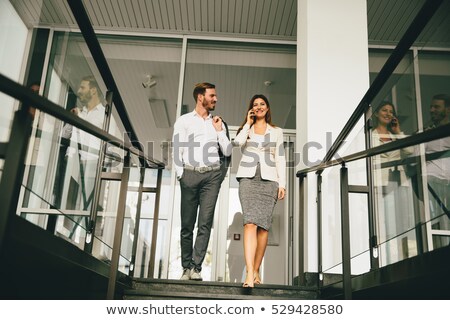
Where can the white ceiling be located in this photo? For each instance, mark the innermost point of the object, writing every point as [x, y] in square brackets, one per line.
[244, 17]
[269, 19]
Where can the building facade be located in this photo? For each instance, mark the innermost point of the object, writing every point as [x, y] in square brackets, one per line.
[315, 60]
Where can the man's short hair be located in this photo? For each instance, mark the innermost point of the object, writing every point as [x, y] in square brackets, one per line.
[93, 84]
[442, 96]
[200, 88]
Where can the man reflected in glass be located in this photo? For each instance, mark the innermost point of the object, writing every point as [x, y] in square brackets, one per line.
[77, 180]
[438, 165]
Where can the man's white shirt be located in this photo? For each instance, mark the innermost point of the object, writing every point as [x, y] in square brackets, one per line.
[192, 129]
[89, 144]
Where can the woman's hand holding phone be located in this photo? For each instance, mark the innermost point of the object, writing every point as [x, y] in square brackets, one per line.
[394, 126]
[251, 117]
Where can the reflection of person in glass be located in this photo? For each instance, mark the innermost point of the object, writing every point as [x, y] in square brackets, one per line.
[387, 129]
[262, 181]
[92, 111]
[83, 144]
[390, 180]
[438, 159]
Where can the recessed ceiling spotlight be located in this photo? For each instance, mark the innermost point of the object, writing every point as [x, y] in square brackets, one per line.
[267, 83]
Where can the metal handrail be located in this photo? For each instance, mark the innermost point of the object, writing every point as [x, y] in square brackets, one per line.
[426, 136]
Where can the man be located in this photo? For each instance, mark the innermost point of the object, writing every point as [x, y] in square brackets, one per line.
[92, 111]
[82, 144]
[438, 159]
[197, 138]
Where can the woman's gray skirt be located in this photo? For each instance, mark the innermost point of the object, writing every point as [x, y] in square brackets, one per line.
[258, 198]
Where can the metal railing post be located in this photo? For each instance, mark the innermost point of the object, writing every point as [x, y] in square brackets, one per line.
[319, 229]
[151, 266]
[119, 228]
[138, 221]
[373, 239]
[301, 228]
[90, 227]
[345, 234]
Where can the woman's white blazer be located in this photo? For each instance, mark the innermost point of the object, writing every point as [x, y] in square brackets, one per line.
[270, 155]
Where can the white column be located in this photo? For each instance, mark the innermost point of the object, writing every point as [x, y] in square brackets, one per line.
[332, 77]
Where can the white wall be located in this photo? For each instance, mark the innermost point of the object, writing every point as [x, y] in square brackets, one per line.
[332, 77]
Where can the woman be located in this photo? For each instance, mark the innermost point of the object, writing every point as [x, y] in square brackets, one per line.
[262, 180]
[393, 191]
[387, 129]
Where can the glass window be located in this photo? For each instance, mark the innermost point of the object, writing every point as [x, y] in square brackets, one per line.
[434, 68]
[147, 73]
[13, 36]
[399, 89]
[396, 202]
[435, 92]
[62, 159]
[239, 71]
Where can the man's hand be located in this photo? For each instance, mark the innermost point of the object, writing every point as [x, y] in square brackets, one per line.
[75, 111]
[217, 123]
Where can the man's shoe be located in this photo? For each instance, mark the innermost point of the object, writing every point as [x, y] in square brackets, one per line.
[186, 274]
[195, 275]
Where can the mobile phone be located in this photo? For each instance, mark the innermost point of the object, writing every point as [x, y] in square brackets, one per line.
[393, 122]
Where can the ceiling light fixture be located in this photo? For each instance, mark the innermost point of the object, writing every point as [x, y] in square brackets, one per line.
[149, 82]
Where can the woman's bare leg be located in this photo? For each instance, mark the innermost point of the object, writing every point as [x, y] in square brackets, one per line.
[250, 245]
[262, 238]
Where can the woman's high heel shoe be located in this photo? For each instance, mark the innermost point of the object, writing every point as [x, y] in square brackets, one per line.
[249, 282]
[256, 278]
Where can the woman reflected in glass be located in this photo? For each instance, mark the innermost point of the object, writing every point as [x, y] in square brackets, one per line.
[393, 192]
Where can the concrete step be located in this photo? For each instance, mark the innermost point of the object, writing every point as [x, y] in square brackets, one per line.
[154, 289]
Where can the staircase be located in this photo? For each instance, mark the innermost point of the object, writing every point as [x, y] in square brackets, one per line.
[160, 289]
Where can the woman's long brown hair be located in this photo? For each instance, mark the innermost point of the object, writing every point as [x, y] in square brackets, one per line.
[250, 106]
[381, 105]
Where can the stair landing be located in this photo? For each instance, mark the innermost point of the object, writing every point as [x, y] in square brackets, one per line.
[157, 289]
